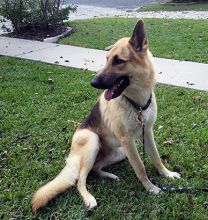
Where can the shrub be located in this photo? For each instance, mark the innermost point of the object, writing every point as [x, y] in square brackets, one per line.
[24, 14]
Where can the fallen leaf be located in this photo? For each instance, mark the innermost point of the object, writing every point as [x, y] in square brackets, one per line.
[36, 148]
[64, 152]
[190, 200]
[50, 81]
[191, 84]
[64, 128]
[180, 93]
[169, 142]
[67, 61]
[25, 149]
[56, 62]
[132, 193]
[22, 138]
[5, 153]
[160, 127]
[165, 158]
[206, 205]
[200, 145]
[194, 125]
[196, 98]
[127, 207]
[3, 162]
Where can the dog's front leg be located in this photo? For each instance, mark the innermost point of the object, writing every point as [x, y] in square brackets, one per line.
[151, 149]
[137, 164]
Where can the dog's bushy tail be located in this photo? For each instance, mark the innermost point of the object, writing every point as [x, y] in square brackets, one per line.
[66, 178]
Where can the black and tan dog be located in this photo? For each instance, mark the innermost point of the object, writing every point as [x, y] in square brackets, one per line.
[108, 134]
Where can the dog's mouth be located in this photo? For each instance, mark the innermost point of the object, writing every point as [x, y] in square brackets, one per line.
[118, 87]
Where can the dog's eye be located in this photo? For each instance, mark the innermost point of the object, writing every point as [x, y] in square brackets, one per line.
[117, 61]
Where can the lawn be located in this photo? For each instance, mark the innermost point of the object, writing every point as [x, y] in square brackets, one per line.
[175, 7]
[176, 39]
[41, 106]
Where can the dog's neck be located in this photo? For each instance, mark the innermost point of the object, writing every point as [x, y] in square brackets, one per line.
[141, 88]
[140, 95]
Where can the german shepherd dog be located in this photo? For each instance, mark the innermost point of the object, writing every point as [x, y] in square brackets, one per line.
[108, 134]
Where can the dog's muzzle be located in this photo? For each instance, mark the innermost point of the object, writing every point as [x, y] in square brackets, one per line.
[114, 83]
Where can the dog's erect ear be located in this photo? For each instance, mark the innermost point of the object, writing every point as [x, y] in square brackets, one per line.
[139, 39]
[109, 47]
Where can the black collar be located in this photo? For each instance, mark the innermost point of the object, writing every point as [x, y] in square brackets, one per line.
[138, 107]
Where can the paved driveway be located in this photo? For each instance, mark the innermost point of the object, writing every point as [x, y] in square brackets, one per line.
[122, 4]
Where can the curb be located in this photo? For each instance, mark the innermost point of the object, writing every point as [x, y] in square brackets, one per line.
[56, 38]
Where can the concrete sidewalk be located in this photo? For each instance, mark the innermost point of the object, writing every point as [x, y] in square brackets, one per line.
[172, 72]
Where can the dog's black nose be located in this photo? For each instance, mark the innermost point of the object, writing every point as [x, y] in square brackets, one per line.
[101, 82]
[94, 83]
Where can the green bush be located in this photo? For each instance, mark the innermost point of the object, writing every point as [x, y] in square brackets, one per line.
[45, 14]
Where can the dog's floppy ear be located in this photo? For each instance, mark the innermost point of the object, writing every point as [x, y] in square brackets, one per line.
[139, 39]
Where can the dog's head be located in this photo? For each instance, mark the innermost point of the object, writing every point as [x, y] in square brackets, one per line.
[128, 65]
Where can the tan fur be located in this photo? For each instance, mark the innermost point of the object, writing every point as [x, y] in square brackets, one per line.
[113, 139]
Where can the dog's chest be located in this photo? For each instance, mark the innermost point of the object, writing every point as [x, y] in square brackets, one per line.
[133, 119]
[128, 122]
[120, 118]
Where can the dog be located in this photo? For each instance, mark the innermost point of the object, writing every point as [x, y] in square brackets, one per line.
[126, 110]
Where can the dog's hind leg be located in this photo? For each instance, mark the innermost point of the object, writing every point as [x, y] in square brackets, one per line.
[89, 145]
[114, 156]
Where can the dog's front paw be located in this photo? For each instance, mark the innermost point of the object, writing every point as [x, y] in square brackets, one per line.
[151, 188]
[90, 203]
[154, 190]
[172, 175]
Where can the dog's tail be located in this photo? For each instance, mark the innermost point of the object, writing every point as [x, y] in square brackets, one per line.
[66, 178]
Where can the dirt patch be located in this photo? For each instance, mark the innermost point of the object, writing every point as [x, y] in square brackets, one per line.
[38, 34]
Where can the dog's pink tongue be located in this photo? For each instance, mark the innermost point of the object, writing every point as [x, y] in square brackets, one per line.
[108, 95]
[110, 92]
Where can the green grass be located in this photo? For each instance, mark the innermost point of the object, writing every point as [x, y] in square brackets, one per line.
[175, 7]
[176, 39]
[37, 119]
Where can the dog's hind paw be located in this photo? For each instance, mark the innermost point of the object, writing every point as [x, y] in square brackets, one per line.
[105, 174]
[113, 177]
[90, 203]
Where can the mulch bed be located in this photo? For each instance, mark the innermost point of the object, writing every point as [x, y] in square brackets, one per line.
[37, 33]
